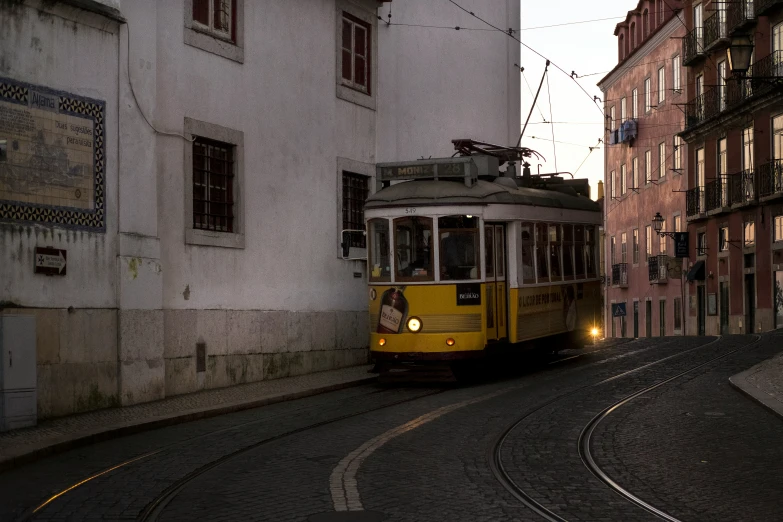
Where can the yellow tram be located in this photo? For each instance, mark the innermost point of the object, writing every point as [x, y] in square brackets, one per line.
[464, 257]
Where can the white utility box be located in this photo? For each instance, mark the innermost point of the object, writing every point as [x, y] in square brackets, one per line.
[18, 383]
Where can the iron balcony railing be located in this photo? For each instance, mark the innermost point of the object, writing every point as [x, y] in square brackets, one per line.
[717, 194]
[714, 29]
[771, 179]
[743, 187]
[693, 46]
[694, 202]
[734, 92]
[702, 108]
[658, 268]
[771, 66]
[740, 13]
[764, 6]
[620, 275]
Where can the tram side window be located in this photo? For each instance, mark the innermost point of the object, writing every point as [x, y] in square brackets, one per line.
[459, 248]
[528, 246]
[590, 251]
[379, 250]
[568, 251]
[555, 246]
[413, 249]
[579, 251]
[542, 253]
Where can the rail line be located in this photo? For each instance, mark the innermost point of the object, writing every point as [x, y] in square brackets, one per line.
[586, 435]
[500, 473]
[155, 508]
[152, 510]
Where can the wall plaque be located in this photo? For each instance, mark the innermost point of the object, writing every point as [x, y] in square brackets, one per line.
[52, 157]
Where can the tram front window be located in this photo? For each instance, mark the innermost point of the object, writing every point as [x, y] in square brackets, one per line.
[459, 248]
[379, 250]
[413, 249]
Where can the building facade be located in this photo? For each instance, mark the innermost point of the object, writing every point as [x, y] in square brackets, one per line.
[645, 173]
[734, 129]
[196, 170]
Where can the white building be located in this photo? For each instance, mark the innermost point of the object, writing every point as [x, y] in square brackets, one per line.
[198, 163]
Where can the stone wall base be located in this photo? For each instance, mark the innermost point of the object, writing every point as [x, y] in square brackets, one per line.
[90, 359]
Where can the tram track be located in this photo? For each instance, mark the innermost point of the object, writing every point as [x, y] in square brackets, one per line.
[584, 440]
[153, 510]
[585, 436]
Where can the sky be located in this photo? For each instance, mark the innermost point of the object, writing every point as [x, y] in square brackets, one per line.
[585, 48]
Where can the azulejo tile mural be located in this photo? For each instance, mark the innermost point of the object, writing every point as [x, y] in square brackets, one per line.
[52, 157]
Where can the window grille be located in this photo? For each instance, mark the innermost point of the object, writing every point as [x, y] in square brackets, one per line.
[213, 185]
[355, 192]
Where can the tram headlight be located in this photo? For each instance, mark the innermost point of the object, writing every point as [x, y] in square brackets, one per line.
[450, 341]
[414, 324]
[381, 342]
[594, 332]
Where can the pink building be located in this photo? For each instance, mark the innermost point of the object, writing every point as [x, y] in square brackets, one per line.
[645, 172]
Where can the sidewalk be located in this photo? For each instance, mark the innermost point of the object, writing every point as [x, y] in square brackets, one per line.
[57, 435]
[764, 383]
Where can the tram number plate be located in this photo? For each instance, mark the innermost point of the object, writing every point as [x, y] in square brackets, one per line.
[468, 294]
[410, 210]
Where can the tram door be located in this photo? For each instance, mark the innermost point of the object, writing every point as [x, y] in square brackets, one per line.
[495, 260]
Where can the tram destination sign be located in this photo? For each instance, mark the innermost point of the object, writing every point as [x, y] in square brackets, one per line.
[427, 169]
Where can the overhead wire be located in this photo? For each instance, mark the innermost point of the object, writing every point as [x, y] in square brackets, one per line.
[510, 34]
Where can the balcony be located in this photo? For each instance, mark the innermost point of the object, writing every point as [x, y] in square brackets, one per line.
[742, 186]
[620, 275]
[693, 46]
[771, 179]
[715, 30]
[716, 196]
[734, 93]
[695, 202]
[767, 6]
[771, 66]
[702, 108]
[658, 269]
[740, 14]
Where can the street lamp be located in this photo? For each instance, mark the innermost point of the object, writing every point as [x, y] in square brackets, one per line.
[739, 54]
[657, 222]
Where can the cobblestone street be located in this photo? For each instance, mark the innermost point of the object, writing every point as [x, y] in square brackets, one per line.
[506, 448]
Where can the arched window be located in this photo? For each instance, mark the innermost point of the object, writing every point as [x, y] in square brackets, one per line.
[622, 46]
[645, 24]
[633, 35]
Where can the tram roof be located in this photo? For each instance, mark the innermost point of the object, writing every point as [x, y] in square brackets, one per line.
[436, 193]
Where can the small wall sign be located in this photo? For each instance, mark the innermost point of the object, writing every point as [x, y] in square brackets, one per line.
[50, 261]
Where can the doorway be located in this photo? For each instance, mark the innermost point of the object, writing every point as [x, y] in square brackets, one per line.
[636, 319]
[648, 318]
[750, 303]
[724, 308]
[495, 259]
[701, 303]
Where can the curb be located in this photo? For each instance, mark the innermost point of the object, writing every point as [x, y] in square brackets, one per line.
[740, 382]
[87, 438]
